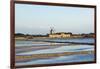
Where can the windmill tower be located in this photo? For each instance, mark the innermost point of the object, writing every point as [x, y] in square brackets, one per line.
[52, 30]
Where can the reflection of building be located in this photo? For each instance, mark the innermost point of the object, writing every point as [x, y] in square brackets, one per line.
[60, 35]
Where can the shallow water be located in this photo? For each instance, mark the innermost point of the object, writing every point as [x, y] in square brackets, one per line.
[46, 48]
[62, 59]
[61, 49]
[37, 42]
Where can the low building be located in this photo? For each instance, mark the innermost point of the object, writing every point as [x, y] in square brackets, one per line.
[91, 35]
[76, 35]
[60, 35]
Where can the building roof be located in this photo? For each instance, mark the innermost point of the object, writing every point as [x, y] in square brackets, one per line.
[59, 33]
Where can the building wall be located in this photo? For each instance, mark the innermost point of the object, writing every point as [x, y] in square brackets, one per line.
[62, 35]
[65, 35]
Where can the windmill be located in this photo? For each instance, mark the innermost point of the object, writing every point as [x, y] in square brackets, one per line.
[52, 30]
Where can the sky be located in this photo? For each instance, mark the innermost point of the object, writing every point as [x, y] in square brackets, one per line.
[37, 19]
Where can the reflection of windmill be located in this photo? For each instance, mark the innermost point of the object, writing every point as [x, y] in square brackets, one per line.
[52, 30]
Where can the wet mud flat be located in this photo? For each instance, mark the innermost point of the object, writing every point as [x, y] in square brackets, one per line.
[49, 55]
